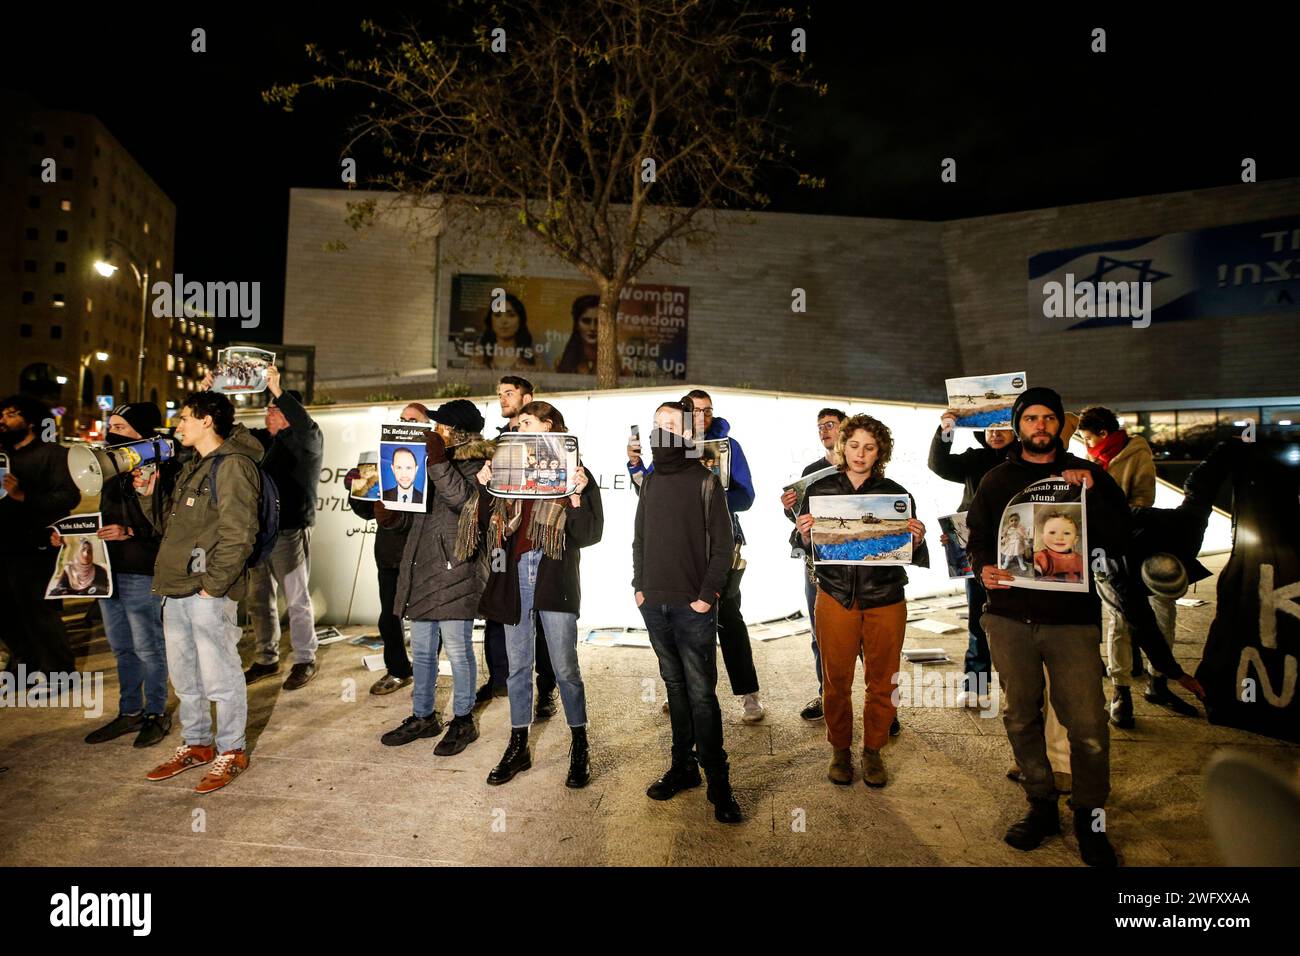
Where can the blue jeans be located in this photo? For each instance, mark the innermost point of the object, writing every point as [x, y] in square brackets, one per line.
[561, 633]
[810, 595]
[133, 623]
[426, 638]
[684, 640]
[978, 659]
[203, 660]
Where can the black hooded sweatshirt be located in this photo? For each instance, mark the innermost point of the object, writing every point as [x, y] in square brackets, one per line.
[1108, 528]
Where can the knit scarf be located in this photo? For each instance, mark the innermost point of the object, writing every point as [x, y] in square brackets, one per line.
[1108, 448]
[545, 529]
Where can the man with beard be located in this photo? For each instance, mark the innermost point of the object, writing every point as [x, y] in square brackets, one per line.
[1029, 628]
[513, 393]
[39, 491]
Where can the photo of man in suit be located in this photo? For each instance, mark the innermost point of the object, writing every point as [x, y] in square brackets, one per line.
[405, 469]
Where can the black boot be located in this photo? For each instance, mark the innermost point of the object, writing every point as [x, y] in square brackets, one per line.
[579, 764]
[1042, 820]
[1094, 845]
[680, 776]
[1121, 708]
[1160, 695]
[725, 807]
[516, 759]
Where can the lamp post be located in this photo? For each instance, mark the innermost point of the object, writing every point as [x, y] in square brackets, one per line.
[140, 267]
[82, 367]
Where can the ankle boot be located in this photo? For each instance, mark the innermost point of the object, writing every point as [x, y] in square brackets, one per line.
[579, 765]
[725, 807]
[515, 760]
[1042, 820]
[1160, 694]
[1121, 708]
[1094, 845]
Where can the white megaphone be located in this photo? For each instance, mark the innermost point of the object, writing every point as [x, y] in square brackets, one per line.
[92, 465]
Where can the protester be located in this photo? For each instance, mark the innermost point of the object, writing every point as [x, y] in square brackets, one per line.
[681, 554]
[541, 540]
[39, 491]
[1128, 460]
[294, 448]
[209, 526]
[733, 635]
[389, 544]
[1028, 628]
[133, 615]
[442, 577]
[861, 611]
[513, 393]
[969, 468]
[828, 425]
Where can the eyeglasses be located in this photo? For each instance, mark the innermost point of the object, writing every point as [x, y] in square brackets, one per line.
[827, 427]
[704, 409]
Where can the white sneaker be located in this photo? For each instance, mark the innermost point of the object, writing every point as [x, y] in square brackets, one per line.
[753, 709]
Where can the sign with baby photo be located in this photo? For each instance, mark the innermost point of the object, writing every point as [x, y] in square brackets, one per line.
[1043, 537]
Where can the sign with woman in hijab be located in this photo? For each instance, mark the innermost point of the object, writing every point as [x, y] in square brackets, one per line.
[82, 568]
[1043, 537]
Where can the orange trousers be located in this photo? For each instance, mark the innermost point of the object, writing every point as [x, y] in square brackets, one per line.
[876, 634]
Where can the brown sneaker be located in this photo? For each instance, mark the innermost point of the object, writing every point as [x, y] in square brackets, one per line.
[873, 768]
[841, 768]
[186, 756]
[226, 768]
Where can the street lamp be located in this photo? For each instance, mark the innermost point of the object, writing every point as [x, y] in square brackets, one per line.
[140, 267]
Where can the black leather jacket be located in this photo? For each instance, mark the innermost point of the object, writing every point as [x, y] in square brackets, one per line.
[856, 586]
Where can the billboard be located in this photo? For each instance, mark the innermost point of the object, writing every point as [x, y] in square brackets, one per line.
[549, 325]
[1248, 268]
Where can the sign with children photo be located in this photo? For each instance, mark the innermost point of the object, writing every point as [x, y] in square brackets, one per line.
[1043, 537]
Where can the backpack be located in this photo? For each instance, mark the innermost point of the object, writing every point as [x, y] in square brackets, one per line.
[268, 513]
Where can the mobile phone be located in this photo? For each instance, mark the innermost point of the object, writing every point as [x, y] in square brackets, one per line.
[636, 432]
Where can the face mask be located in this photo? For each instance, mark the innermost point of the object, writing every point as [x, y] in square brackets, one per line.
[668, 450]
[115, 439]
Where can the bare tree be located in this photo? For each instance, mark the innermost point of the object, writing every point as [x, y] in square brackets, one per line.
[603, 128]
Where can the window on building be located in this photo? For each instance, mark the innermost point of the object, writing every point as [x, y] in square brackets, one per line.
[66, 174]
[60, 235]
[29, 297]
[180, 382]
[97, 151]
[189, 347]
[56, 331]
[1282, 415]
[65, 205]
[94, 181]
[209, 335]
[108, 385]
[32, 233]
[57, 300]
[60, 268]
[25, 331]
[29, 265]
[171, 363]
[90, 305]
[146, 228]
[33, 202]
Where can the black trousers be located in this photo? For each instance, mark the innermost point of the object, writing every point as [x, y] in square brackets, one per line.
[390, 625]
[733, 635]
[34, 631]
[494, 648]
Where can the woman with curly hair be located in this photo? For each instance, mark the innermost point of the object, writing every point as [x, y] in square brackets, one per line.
[861, 610]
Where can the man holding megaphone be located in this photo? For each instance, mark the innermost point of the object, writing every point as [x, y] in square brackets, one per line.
[133, 615]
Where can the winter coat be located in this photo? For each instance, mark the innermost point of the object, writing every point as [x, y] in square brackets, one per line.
[558, 586]
[968, 467]
[293, 460]
[433, 584]
[1134, 470]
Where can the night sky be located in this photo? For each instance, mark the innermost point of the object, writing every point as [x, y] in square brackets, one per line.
[1032, 117]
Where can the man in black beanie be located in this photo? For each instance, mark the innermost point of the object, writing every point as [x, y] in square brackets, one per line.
[1028, 629]
[38, 490]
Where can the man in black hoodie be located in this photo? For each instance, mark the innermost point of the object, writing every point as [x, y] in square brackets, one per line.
[38, 491]
[681, 554]
[969, 468]
[294, 449]
[1028, 629]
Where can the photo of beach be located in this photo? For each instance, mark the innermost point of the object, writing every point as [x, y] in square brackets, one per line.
[861, 529]
[984, 401]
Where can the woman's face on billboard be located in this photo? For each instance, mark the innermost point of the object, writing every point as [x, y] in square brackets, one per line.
[587, 325]
[506, 324]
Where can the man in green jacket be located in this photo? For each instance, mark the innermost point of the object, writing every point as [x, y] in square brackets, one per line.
[209, 528]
